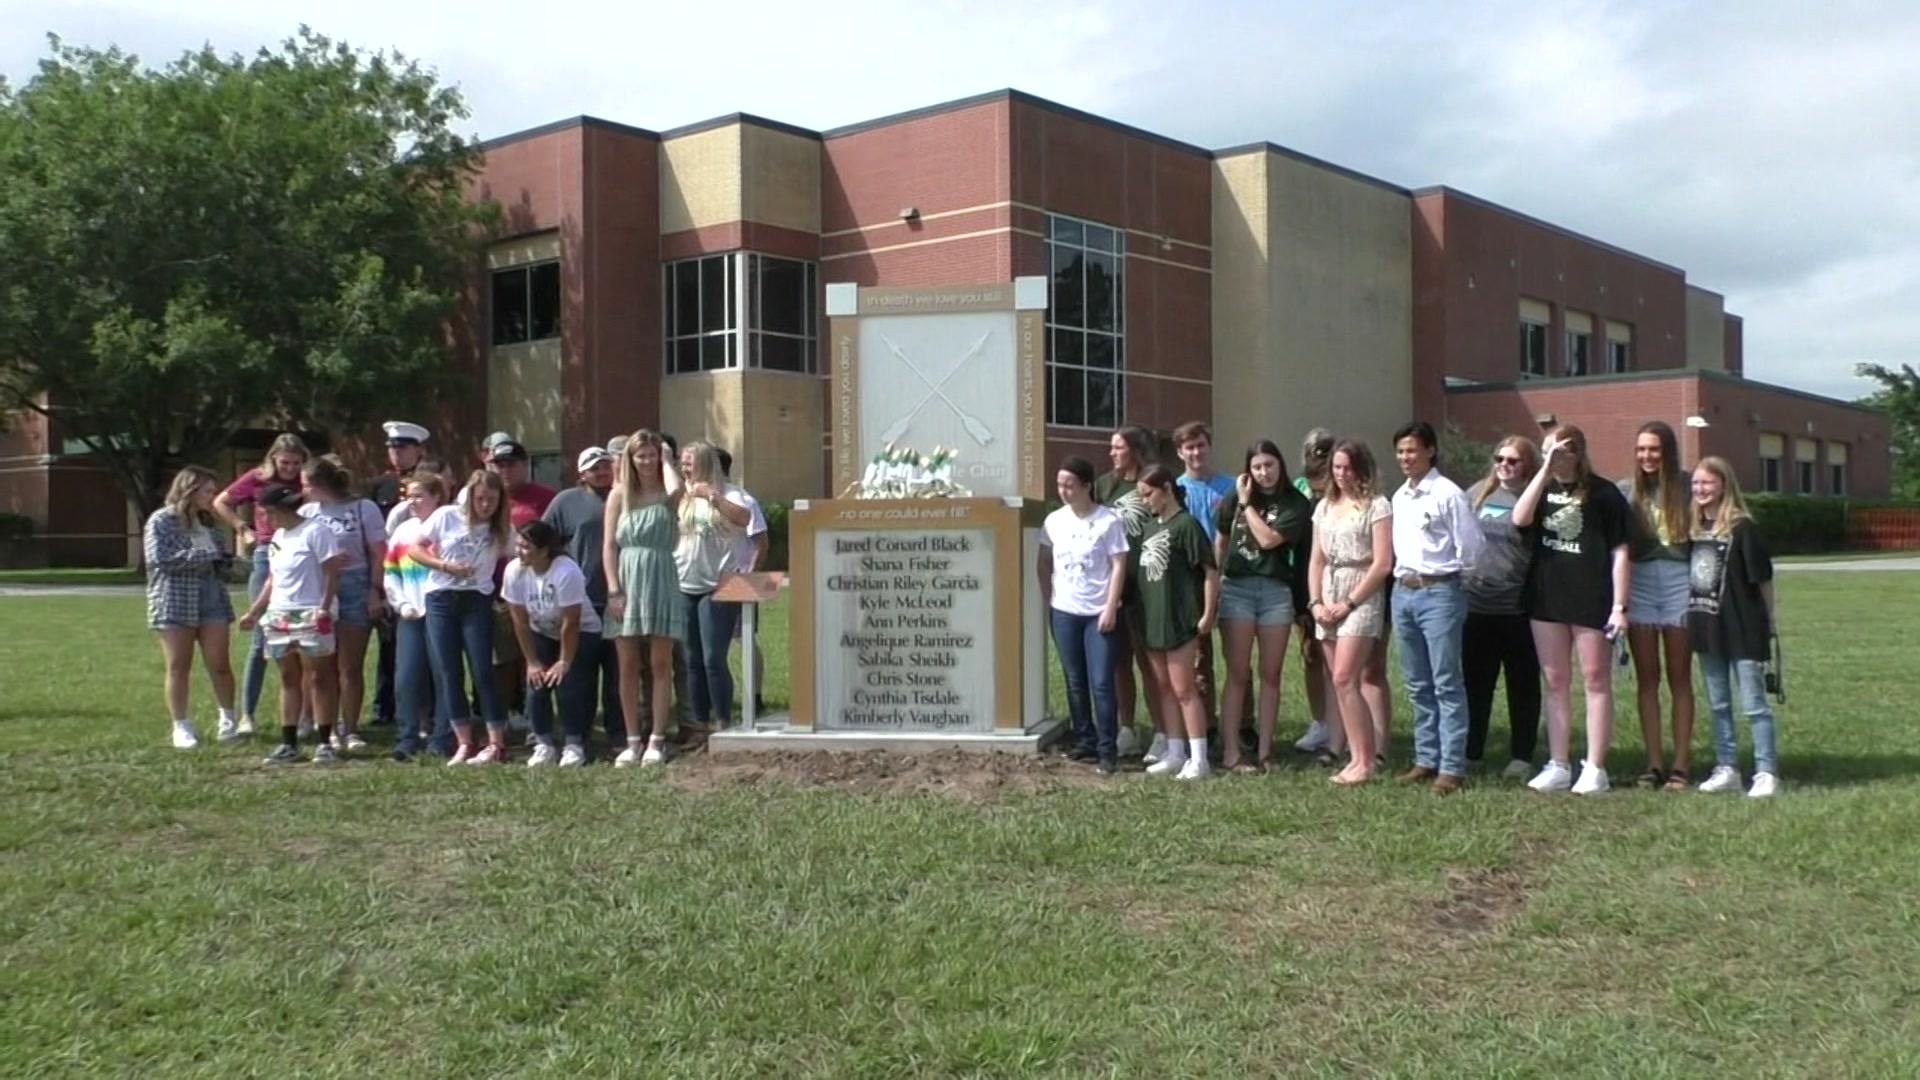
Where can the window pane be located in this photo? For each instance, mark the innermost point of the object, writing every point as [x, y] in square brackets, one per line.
[715, 352]
[1102, 351]
[1102, 293]
[1069, 290]
[1068, 402]
[716, 310]
[775, 352]
[1101, 238]
[509, 306]
[1069, 347]
[686, 355]
[782, 284]
[685, 283]
[1066, 230]
[545, 300]
[1103, 399]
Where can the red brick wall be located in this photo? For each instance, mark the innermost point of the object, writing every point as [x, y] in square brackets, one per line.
[1473, 270]
[1736, 333]
[935, 163]
[611, 278]
[1611, 411]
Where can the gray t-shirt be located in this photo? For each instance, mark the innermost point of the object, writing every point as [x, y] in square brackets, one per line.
[579, 515]
[1495, 583]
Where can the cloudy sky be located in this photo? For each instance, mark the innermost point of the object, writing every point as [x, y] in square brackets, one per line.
[1767, 146]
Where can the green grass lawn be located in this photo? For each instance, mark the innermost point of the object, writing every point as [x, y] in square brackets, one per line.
[169, 914]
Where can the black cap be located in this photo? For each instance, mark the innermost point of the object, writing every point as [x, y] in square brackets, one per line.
[509, 451]
[281, 497]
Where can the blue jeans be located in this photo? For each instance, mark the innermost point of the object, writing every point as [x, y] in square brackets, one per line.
[1429, 624]
[460, 624]
[1088, 659]
[575, 692]
[1721, 675]
[414, 690]
[254, 678]
[709, 636]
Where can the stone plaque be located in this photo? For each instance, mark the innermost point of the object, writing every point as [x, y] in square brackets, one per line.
[904, 629]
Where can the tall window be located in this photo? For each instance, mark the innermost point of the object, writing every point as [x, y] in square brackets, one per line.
[1619, 357]
[1836, 468]
[1533, 349]
[1806, 478]
[1086, 324]
[1579, 352]
[722, 310]
[526, 303]
[1769, 473]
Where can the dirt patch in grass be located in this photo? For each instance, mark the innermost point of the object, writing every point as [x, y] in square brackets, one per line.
[1477, 902]
[972, 776]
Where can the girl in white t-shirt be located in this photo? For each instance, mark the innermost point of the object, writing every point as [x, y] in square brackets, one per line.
[460, 546]
[361, 532]
[1083, 572]
[405, 585]
[299, 604]
[713, 517]
[556, 625]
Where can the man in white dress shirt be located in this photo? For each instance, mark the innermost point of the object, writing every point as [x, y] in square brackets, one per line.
[1436, 540]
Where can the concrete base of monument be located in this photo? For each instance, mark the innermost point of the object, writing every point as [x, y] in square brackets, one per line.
[770, 734]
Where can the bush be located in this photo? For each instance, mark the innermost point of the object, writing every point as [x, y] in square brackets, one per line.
[778, 515]
[1815, 524]
[15, 526]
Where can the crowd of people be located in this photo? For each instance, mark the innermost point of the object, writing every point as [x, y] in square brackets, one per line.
[1543, 572]
[497, 603]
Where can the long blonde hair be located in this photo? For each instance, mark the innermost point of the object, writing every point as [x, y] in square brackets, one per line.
[1529, 465]
[186, 483]
[499, 523]
[631, 484]
[1665, 496]
[286, 443]
[1732, 506]
[706, 470]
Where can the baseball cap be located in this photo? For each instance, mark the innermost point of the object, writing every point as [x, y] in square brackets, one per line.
[281, 497]
[508, 450]
[616, 444]
[496, 439]
[591, 456]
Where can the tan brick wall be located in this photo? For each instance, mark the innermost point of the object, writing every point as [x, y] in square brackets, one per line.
[523, 394]
[701, 179]
[1706, 330]
[780, 179]
[778, 456]
[707, 405]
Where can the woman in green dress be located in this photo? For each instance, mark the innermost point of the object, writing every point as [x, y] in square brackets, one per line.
[1179, 600]
[645, 617]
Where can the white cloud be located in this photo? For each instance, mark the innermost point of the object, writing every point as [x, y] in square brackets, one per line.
[1764, 145]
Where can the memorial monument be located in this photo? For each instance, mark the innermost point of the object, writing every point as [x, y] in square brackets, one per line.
[916, 619]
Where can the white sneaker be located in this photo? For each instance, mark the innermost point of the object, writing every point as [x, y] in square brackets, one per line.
[628, 757]
[544, 754]
[1765, 786]
[573, 757]
[489, 756]
[656, 754]
[1127, 742]
[355, 742]
[1517, 769]
[1167, 766]
[1555, 777]
[1725, 779]
[228, 730]
[1157, 749]
[1196, 769]
[245, 726]
[1593, 780]
[184, 737]
[324, 754]
[460, 755]
[1316, 738]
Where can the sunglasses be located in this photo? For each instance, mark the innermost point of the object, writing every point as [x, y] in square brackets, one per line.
[1506, 459]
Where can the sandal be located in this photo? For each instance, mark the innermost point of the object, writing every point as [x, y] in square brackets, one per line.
[1678, 780]
[1245, 769]
[1650, 779]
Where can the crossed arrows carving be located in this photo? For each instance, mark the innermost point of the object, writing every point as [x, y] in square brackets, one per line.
[980, 432]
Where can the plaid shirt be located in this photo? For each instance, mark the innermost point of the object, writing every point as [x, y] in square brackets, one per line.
[179, 575]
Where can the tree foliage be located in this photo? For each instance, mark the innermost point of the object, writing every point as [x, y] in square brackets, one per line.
[1899, 398]
[189, 250]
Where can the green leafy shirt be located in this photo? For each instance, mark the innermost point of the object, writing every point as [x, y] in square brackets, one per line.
[1124, 499]
[1174, 559]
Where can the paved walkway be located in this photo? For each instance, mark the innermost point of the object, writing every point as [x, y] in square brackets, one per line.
[1852, 565]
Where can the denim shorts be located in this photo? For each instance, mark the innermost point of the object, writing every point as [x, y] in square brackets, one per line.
[1660, 590]
[352, 597]
[1263, 601]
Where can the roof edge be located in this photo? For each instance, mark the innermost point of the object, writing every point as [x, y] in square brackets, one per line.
[568, 124]
[743, 119]
[1309, 159]
[1489, 204]
[1705, 374]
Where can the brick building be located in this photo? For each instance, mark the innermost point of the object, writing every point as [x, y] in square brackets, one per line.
[677, 278]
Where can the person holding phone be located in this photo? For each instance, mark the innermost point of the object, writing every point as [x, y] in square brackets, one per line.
[1730, 619]
[1576, 598]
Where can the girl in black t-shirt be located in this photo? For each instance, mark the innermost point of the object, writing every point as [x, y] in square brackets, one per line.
[1576, 596]
[1730, 620]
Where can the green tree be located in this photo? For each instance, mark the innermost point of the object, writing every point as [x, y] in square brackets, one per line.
[225, 241]
[1463, 460]
[1899, 398]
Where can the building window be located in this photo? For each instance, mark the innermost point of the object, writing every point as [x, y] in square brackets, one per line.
[784, 322]
[703, 324]
[705, 301]
[1770, 474]
[1619, 357]
[1533, 349]
[526, 303]
[1086, 324]
[1579, 352]
[1837, 479]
